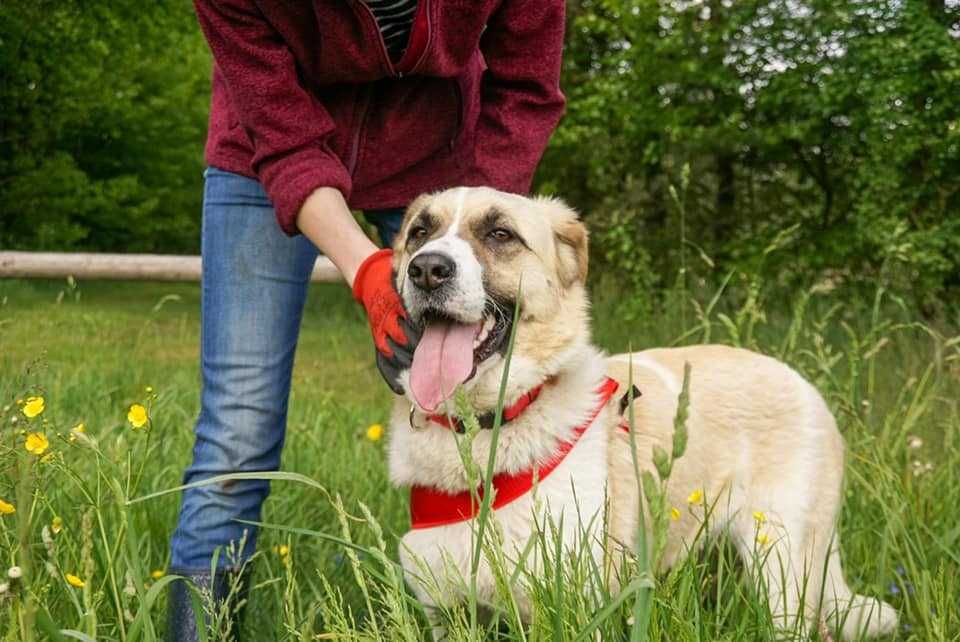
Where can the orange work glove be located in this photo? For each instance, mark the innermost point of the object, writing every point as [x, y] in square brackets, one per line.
[394, 335]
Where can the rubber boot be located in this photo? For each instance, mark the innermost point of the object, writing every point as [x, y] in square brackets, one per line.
[181, 618]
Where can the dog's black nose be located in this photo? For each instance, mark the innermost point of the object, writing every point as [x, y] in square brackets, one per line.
[430, 270]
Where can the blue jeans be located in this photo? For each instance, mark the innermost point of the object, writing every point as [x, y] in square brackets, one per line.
[254, 287]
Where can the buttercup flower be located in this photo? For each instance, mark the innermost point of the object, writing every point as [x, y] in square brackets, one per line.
[695, 498]
[79, 429]
[56, 525]
[137, 416]
[74, 581]
[674, 513]
[374, 432]
[157, 574]
[762, 539]
[283, 551]
[33, 407]
[36, 443]
[759, 517]
[7, 509]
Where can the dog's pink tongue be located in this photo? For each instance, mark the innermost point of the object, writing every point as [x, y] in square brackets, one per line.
[442, 361]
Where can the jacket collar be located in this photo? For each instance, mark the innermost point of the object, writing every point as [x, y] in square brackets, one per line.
[431, 507]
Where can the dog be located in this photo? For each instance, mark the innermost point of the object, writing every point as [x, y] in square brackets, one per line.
[764, 455]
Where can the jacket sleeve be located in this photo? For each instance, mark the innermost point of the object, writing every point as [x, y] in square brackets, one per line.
[290, 129]
[521, 101]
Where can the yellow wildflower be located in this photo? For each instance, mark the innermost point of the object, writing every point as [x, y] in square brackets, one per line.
[759, 517]
[695, 498]
[79, 429]
[283, 550]
[37, 443]
[157, 574]
[74, 581]
[762, 539]
[7, 509]
[374, 432]
[56, 525]
[33, 407]
[137, 416]
[149, 390]
[674, 513]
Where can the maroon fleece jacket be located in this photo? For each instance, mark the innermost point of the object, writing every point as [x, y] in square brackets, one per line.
[305, 96]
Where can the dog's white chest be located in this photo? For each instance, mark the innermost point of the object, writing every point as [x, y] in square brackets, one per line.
[568, 504]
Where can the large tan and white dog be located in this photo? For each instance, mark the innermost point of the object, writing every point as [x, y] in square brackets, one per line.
[761, 439]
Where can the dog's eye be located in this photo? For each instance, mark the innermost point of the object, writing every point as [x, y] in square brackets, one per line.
[418, 232]
[500, 235]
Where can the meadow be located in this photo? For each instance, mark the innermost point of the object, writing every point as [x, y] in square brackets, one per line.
[93, 552]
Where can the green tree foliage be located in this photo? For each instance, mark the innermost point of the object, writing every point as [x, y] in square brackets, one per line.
[101, 126]
[838, 122]
[830, 129]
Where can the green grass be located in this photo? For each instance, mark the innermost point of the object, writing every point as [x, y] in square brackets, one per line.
[92, 350]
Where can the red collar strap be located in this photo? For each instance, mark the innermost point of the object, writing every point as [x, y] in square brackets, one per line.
[486, 420]
[430, 507]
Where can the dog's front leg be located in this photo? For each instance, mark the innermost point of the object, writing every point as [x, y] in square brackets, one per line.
[423, 568]
[438, 630]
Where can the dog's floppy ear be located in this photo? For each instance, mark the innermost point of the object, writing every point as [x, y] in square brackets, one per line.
[571, 238]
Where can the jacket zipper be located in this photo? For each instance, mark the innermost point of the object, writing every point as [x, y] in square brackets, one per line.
[426, 48]
[384, 56]
[365, 101]
[458, 94]
[358, 130]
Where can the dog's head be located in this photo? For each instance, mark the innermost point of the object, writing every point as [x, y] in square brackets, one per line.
[465, 259]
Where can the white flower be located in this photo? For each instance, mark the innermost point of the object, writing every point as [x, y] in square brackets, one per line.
[15, 573]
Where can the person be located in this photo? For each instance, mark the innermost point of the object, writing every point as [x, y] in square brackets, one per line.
[317, 108]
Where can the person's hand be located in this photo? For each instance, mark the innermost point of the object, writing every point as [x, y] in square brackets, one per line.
[395, 337]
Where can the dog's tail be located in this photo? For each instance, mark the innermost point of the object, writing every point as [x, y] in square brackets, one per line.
[849, 614]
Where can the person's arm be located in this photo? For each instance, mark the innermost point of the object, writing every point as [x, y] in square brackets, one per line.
[521, 101]
[288, 126]
[326, 220]
[306, 182]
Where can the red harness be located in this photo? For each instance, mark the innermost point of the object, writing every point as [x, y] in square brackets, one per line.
[430, 507]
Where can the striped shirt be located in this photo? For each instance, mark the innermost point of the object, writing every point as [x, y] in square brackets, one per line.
[395, 19]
